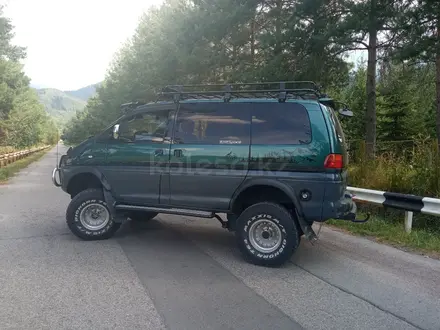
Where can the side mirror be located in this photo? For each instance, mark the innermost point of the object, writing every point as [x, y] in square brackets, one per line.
[116, 131]
[346, 112]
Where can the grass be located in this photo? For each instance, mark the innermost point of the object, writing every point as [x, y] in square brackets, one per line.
[420, 240]
[13, 168]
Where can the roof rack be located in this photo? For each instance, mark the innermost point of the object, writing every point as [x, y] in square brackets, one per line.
[126, 107]
[281, 90]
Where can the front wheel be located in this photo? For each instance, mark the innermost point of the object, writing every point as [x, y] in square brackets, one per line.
[267, 234]
[88, 216]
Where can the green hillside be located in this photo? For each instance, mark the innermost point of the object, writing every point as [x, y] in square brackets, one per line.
[62, 105]
[59, 104]
[84, 93]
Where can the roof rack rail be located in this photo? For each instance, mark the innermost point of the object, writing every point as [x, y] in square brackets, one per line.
[281, 90]
[126, 107]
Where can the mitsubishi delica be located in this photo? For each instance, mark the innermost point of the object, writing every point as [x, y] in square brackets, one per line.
[272, 157]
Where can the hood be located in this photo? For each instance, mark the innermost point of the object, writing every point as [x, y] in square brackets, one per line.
[77, 150]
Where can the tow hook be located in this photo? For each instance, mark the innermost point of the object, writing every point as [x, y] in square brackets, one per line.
[367, 217]
[351, 216]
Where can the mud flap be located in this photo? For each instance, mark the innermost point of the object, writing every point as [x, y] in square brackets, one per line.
[117, 217]
[308, 231]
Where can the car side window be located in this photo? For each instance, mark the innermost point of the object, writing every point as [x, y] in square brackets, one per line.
[213, 123]
[151, 127]
[336, 124]
[280, 123]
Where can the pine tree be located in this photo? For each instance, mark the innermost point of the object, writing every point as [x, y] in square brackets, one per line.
[421, 40]
[369, 25]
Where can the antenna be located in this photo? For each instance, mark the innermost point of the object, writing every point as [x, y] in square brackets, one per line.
[58, 142]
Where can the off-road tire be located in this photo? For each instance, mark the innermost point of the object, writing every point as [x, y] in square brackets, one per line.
[78, 203]
[140, 216]
[278, 217]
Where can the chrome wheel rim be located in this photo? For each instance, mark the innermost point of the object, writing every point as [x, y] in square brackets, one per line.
[94, 216]
[265, 236]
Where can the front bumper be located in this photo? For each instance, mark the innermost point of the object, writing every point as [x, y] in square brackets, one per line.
[55, 172]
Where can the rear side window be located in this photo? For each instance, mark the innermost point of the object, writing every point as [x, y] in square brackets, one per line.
[337, 125]
[213, 123]
[280, 123]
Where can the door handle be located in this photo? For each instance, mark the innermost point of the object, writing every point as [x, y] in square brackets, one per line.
[178, 152]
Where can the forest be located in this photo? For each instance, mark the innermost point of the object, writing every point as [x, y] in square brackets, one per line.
[23, 119]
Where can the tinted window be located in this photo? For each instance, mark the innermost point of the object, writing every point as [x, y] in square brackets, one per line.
[280, 123]
[147, 127]
[220, 123]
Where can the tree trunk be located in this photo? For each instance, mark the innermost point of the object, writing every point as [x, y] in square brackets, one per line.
[437, 85]
[253, 43]
[234, 59]
[370, 126]
[278, 17]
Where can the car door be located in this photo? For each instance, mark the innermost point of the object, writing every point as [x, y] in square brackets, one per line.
[138, 158]
[210, 154]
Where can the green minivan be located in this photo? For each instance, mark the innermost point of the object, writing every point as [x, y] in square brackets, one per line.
[272, 157]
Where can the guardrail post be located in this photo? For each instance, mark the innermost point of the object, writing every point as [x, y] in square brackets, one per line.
[408, 221]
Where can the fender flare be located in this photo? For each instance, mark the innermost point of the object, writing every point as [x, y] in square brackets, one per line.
[107, 189]
[289, 191]
[90, 170]
[96, 173]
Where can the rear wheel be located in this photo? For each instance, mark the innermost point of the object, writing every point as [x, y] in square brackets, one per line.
[140, 216]
[267, 234]
[88, 216]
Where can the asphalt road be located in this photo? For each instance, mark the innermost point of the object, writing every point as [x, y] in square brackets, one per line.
[186, 273]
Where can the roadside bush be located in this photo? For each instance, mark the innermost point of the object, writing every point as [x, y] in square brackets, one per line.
[415, 170]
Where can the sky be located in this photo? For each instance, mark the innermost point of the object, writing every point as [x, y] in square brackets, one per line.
[70, 43]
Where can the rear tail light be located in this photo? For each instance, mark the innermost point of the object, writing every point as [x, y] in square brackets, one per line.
[335, 161]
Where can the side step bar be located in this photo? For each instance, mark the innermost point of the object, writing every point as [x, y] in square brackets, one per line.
[191, 213]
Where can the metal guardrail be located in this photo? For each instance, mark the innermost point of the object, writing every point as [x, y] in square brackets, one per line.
[11, 157]
[408, 203]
